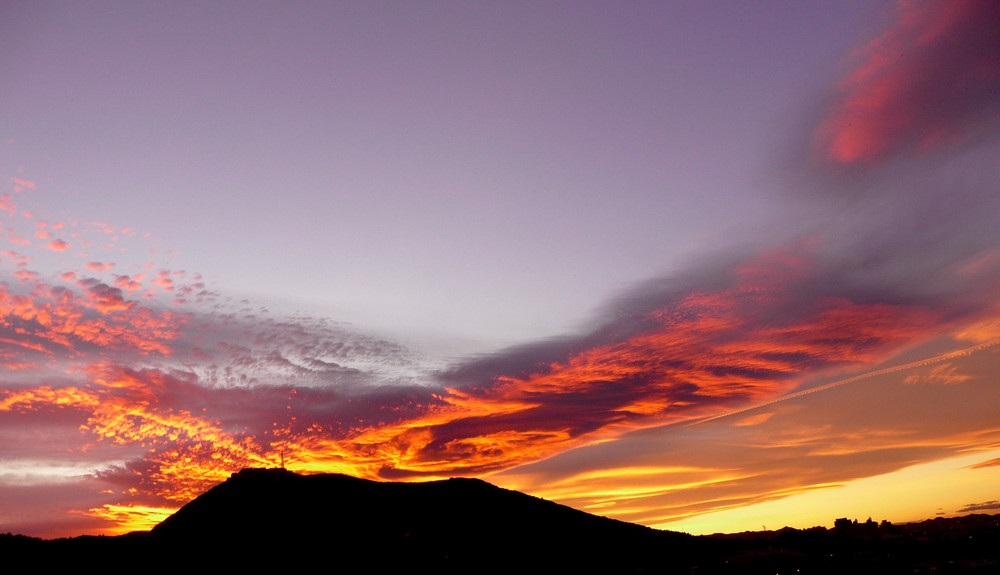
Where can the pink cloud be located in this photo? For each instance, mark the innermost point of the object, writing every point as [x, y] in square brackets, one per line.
[99, 266]
[57, 245]
[932, 80]
[129, 284]
[106, 228]
[163, 280]
[7, 204]
[21, 185]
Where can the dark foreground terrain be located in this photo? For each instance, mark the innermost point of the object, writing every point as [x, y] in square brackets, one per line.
[276, 519]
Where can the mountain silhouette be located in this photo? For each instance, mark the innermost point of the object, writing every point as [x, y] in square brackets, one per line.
[455, 525]
[279, 521]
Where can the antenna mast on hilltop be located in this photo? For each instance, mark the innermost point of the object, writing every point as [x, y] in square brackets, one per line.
[282, 458]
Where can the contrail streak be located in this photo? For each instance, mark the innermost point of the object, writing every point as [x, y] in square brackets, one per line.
[921, 363]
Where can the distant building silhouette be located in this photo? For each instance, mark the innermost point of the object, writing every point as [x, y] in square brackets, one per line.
[868, 529]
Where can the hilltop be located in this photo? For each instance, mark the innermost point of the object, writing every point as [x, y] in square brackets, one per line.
[273, 518]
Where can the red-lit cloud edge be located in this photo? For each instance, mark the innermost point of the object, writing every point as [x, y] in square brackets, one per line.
[931, 81]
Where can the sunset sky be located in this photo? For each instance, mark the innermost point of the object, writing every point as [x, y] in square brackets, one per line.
[705, 266]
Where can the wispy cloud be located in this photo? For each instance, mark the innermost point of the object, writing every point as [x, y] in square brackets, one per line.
[943, 374]
[99, 266]
[666, 358]
[985, 506]
[809, 442]
[990, 463]
[931, 81]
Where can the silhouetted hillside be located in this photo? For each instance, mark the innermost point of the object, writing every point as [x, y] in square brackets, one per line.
[277, 520]
[454, 524]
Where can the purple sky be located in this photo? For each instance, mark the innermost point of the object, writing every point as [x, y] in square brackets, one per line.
[478, 170]
[594, 251]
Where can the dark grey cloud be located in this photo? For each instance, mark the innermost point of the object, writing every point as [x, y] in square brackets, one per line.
[984, 506]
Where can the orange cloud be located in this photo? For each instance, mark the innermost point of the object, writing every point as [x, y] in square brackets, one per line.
[701, 354]
[698, 353]
[755, 419]
[191, 453]
[188, 453]
[707, 351]
[866, 426]
[753, 336]
[128, 518]
[61, 318]
[46, 396]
